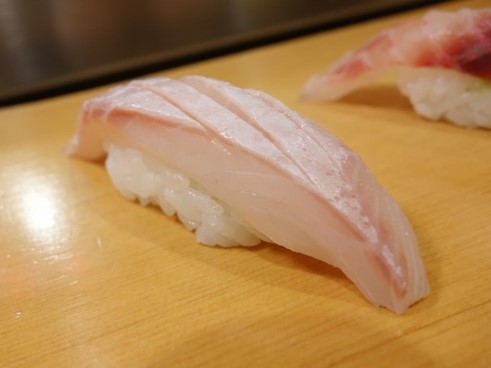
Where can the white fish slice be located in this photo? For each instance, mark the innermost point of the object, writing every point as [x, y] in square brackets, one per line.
[274, 175]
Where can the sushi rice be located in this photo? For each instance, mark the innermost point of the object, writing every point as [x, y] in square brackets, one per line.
[139, 176]
[438, 93]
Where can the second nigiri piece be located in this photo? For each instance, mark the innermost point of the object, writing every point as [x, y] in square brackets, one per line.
[443, 61]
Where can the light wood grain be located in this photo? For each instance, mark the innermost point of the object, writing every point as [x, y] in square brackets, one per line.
[88, 279]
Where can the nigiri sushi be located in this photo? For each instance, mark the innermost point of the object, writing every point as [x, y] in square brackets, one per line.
[443, 62]
[238, 167]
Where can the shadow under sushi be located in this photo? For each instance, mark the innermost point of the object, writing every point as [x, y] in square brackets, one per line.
[281, 257]
[385, 96]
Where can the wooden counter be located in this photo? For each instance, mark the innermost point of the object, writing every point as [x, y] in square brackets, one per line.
[88, 279]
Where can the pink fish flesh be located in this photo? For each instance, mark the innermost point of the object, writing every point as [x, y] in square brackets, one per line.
[286, 178]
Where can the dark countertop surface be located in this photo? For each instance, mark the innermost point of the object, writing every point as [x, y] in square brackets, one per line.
[49, 47]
